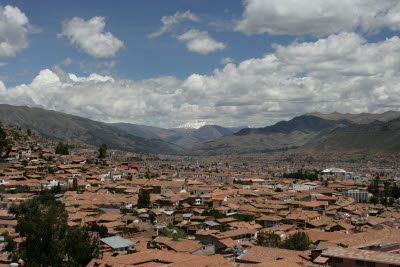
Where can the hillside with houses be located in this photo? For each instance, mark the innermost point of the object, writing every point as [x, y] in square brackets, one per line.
[238, 211]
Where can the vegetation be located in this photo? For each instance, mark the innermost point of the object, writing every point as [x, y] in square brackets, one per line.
[387, 195]
[244, 217]
[223, 227]
[74, 186]
[213, 213]
[101, 229]
[268, 239]
[5, 144]
[103, 151]
[302, 175]
[49, 241]
[298, 241]
[242, 182]
[62, 149]
[149, 175]
[144, 199]
[172, 231]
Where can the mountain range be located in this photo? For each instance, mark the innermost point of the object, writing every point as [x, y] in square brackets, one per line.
[363, 132]
[61, 126]
[184, 137]
[313, 131]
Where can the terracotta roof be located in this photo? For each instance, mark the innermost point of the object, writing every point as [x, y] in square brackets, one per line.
[365, 255]
[259, 254]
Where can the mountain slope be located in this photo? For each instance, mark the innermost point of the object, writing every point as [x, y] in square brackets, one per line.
[61, 126]
[361, 118]
[183, 137]
[372, 137]
[280, 136]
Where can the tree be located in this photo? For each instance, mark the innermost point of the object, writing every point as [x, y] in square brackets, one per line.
[298, 241]
[103, 151]
[268, 239]
[49, 241]
[395, 191]
[278, 189]
[81, 248]
[62, 149]
[245, 217]
[223, 227]
[101, 229]
[29, 132]
[147, 174]
[75, 185]
[43, 221]
[5, 144]
[144, 199]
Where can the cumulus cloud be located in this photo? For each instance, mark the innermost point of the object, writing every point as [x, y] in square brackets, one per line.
[200, 42]
[169, 21]
[13, 31]
[90, 37]
[320, 18]
[340, 73]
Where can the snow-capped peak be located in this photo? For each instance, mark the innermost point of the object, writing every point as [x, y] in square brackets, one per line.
[193, 125]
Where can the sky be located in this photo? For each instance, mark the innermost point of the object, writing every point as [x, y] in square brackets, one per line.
[231, 63]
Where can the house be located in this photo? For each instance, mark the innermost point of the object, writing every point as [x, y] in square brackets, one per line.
[116, 243]
[339, 256]
[184, 246]
[270, 221]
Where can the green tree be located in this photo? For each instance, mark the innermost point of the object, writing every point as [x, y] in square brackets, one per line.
[101, 229]
[298, 241]
[144, 199]
[49, 241]
[62, 149]
[103, 151]
[29, 132]
[268, 239]
[223, 227]
[373, 187]
[244, 217]
[43, 221]
[75, 185]
[395, 191]
[80, 246]
[5, 144]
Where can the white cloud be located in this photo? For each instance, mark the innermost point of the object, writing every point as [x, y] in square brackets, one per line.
[200, 42]
[13, 31]
[227, 60]
[339, 73]
[91, 38]
[320, 18]
[169, 21]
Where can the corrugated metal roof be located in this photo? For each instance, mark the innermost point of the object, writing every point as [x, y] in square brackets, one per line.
[117, 242]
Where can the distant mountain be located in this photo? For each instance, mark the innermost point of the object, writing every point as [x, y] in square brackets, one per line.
[61, 126]
[183, 137]
[361, 118]
[280, 136]
[308, 130]
[372, 137]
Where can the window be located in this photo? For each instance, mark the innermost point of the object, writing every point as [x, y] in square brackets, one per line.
[338, 260]
[360, 263]
[370, 264]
